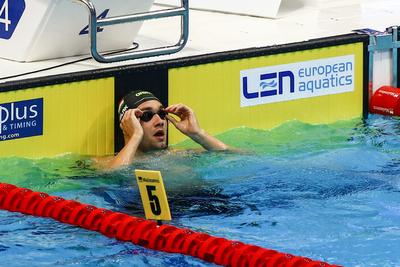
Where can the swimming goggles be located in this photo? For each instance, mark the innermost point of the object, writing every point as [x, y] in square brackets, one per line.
[147, 115]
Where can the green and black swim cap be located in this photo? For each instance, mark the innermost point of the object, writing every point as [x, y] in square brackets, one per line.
[133, 100]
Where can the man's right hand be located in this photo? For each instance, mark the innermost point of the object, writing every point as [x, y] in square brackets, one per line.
[130, 124]
[133, 134]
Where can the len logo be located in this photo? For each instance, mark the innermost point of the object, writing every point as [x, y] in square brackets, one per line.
[272, 87]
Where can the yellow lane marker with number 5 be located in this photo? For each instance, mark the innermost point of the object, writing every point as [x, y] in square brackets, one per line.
[152, 192]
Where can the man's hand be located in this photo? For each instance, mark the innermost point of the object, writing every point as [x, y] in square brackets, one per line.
[130, 124]
[189, 126]
[188, 123]
[133, 134]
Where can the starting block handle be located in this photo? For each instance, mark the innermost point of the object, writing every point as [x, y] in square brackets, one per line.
[383, 41]
[182, 11]
[395, 56]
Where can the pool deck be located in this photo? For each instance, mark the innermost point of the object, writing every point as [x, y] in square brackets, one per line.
[211, 32]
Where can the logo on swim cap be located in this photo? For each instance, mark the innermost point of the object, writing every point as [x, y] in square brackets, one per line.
[143, 93]
[123, 110]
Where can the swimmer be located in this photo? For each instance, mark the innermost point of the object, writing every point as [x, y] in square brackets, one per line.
[143, 121]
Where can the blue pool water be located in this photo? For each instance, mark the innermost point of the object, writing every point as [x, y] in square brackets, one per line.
[328, 192]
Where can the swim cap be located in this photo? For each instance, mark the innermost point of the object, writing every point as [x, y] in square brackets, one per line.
[133, 100]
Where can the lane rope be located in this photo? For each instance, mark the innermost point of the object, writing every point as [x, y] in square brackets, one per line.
[386, 101]
[147, 233]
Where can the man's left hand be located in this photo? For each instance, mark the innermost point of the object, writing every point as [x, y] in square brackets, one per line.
[188, 123]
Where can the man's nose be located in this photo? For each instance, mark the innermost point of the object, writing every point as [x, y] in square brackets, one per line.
[158, 120]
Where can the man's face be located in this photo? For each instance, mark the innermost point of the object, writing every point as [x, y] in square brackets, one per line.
[155, 130]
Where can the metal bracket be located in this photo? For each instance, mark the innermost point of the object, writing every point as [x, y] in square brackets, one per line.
[383, 41]
[182, 11]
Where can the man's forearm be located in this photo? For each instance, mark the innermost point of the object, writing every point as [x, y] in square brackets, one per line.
[208, 141]
[127, 154]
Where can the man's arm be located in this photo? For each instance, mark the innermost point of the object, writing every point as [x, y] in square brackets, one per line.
[133, 134]
[188, 125]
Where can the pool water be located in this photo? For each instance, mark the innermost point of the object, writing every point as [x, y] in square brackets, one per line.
[327, 192]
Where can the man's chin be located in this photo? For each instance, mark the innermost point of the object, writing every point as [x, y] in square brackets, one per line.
[164, 146]
[160, 145]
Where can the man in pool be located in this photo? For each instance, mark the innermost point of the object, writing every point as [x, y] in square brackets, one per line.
[143, 121]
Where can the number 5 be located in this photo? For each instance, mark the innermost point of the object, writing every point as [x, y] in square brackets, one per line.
[5, 20]
[154, 201]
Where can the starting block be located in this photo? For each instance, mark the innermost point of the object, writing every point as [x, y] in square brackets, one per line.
[32, 30]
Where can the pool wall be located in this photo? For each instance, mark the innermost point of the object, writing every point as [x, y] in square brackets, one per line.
[256, 87]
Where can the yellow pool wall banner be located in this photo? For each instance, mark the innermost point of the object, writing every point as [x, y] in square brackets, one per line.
[316, 86]
[76, 117]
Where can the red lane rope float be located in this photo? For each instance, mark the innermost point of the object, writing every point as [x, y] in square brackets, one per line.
[386, 101]
[147, 233]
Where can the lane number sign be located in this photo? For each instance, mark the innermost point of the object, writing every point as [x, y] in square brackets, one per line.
[152, 192]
